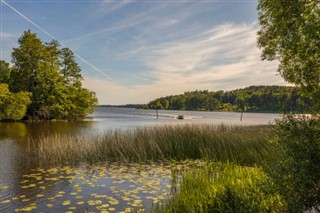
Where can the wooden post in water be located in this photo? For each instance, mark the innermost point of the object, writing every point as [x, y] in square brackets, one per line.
[157, 114]
[241, 116]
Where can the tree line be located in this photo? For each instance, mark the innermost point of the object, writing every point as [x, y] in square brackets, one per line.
[43, 83]
[252, 99]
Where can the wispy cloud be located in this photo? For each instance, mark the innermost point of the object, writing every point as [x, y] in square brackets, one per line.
[125, 21]
[106, 30]
[224, 57]
[109, 6]
[7, 35]
[222, 52]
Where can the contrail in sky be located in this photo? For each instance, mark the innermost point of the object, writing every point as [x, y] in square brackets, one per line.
[51, 36]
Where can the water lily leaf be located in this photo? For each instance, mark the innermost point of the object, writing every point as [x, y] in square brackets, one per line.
[6, 201]
[66, 203]
[50, 205]
[114, 202]
[128, 210]
[91, 202]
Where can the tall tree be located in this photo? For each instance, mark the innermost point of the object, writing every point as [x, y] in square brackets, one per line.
[35, 70]
[290, 33]
[69, 68]
[52, 77]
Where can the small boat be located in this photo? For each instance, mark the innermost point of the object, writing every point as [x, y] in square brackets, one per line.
[180, 117]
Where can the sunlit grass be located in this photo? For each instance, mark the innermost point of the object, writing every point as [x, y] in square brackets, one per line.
[219, 187]
[246, 145]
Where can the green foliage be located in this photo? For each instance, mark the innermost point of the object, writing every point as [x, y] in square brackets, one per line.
[13, 106]
[252, 99]
[296, 168]
[4, 72]
[223, 188]
[52, 77]
[290, 33]
[70, 69]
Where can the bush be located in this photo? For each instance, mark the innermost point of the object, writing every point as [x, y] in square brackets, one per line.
[296, 167]
[13, 106]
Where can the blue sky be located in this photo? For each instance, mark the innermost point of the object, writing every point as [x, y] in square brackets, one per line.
[136, 51]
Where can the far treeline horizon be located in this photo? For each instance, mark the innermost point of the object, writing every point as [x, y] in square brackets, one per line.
[281, 99]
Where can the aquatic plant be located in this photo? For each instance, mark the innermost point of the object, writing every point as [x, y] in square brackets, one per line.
[109, 187]
[245, 145]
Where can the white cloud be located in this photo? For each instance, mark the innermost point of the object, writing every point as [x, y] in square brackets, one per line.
[224, 57]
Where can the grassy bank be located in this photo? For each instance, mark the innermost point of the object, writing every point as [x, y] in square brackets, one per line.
[245, 145]
[220, 187]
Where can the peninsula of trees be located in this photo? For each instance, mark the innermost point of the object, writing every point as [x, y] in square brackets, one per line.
[252, 99]
[43, 83]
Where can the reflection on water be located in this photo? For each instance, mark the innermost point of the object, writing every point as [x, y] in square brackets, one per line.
[26, 184]
[14, 130]
[21, 131]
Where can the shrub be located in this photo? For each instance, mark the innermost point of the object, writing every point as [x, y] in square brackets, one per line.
[296, 167]
[13, 106]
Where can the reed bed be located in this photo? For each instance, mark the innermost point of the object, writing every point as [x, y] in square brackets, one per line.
[245, 145]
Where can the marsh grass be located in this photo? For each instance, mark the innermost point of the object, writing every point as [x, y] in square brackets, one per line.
[245, 145]
[218, 187]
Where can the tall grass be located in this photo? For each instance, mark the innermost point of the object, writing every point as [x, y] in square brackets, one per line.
[246, 145]
[223, 188]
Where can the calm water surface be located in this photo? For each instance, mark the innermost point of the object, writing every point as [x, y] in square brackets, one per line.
[29, 185]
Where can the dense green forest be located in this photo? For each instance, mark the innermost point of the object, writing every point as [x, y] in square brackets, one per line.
[43, 83]
[252, 99]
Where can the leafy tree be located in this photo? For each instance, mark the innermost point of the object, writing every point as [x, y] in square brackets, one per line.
[70, 69]
[5, 71]
[177, 103]
[290, 33]
[29, 60]
[13, 106]
[241, 104]
[165, 103]
[52, 77]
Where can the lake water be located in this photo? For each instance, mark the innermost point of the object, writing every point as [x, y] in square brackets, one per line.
[29, 185]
